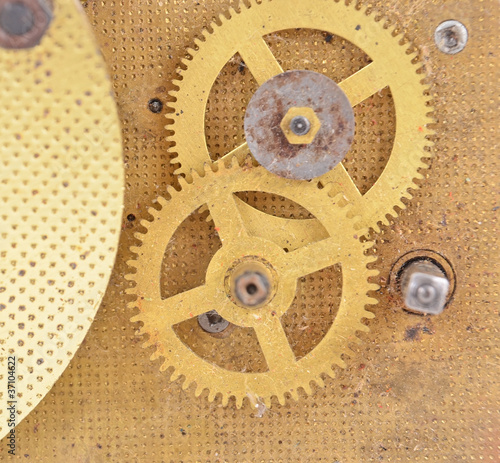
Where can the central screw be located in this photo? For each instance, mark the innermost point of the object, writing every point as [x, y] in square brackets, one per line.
[251, 288]
[300, 125]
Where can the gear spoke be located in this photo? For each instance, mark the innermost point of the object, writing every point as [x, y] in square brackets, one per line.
[311, 258]
[260, 60]
[275, 345]
[240, 153]
[187, 304]
[287, 233]
[364, 83]
[227, 218]
[341, 183]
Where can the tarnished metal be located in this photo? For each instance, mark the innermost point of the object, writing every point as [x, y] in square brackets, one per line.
[23, 22]
[267, 109]
[451, 37]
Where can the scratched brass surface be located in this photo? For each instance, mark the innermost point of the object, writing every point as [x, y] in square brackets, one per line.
[418, 389]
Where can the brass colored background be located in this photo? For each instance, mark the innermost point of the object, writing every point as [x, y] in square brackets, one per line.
[419, 388]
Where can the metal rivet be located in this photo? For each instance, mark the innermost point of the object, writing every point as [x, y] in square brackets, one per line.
[300, 125]
[155, 105]
[212, 322]
[425, 287]
[451, 37]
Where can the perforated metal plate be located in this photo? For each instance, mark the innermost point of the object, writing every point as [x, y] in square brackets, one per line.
[419, 388]
[61, 180]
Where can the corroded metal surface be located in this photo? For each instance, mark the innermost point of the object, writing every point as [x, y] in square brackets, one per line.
[268, 107]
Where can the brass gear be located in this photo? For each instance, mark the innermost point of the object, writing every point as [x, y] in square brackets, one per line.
[392, 65]
[285, 374]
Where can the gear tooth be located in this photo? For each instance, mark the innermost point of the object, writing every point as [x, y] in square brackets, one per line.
[339, 362]
[183, 182]
[376, 227]
[239, 401]
[163, 202]
[199, 390]
[372, 300]
[138, 235]
[173, 95]
[319, 381]
[199, 42]
[307, 388]
[407, 195]
[295, 394]
[132, 305]
[362, 327]
[225, 399]
[205, 34]
[211, 395]
[281, 400]
[269, 403]
[131, 291]
[136, 318]
[191, 52]
[177, 82]
[174, 376]
[135, 250]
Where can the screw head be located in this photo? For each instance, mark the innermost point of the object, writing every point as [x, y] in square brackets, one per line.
[300, 125]
[155, 105]
[451, 37]
[212, 322]
[251, 288]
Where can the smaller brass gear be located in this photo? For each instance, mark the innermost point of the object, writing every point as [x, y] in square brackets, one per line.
[245, 243]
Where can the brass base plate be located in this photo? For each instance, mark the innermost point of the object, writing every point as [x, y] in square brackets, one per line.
[419, 388]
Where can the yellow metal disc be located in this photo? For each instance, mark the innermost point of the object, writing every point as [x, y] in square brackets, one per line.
[289, 259]
[61, 180]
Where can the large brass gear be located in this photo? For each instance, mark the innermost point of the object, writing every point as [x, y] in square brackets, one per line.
[392, 65]
[303, 256]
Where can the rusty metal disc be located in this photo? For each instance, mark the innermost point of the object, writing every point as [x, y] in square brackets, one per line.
[299, 125]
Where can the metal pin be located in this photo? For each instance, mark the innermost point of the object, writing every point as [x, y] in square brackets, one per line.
[425, 287]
